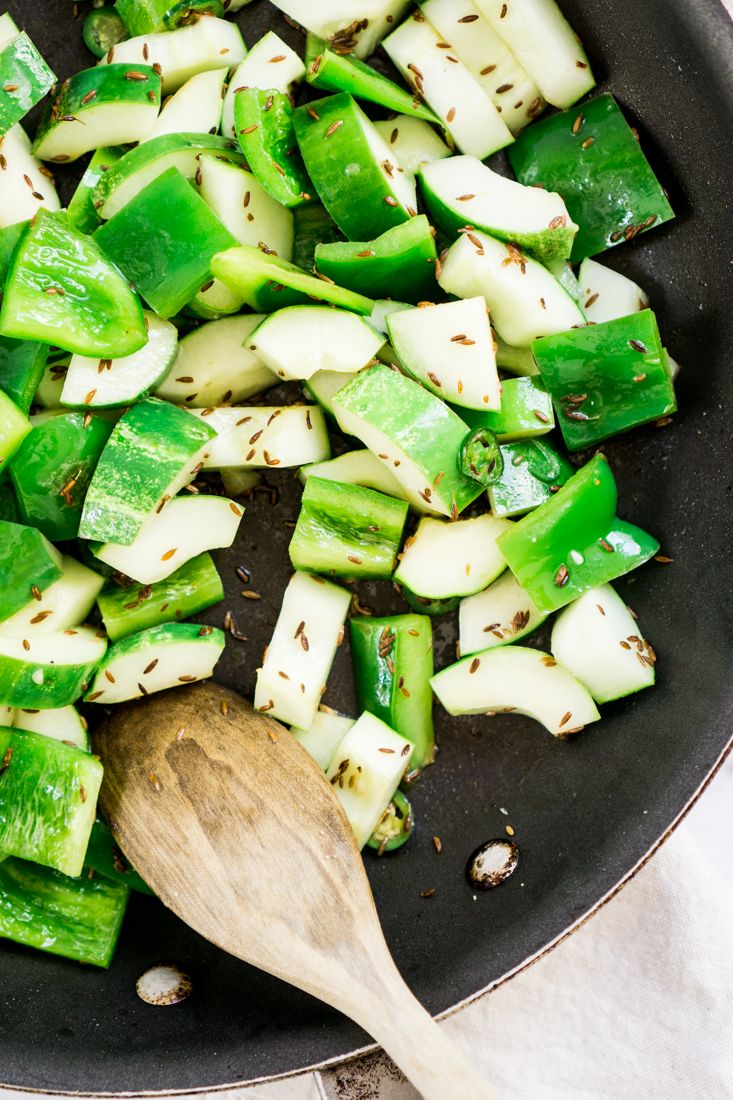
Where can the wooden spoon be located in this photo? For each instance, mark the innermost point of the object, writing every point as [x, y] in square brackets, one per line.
[237, 831]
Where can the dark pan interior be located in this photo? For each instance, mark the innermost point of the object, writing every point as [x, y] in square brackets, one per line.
[585, 811]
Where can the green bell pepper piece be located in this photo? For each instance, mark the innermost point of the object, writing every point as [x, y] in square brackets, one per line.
[81, 212]
[28, 565]
[532, 471]
[589, 154]
[606, 378]
[105, 857]
[24, 80]
[53, 468]
[63, 290]
[263, 122]
[14, 427]
[22, 363]
[149, 16]
[526, 411]
[312, 225]
[403, 257]
[163, 241]
[393, 663]
[575, 541]
[8, 503]
[395, 827]
[9, 237]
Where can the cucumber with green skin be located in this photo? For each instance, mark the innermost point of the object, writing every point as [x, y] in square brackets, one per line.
[163, 241]
[313, 225]
[29, 564]
[298, 341]
[526, 411]
[24, 79]
[352, 168]
[533, 471]
[22, 364]
[345, 28]
[104, 857]
[65, 603]
[347, 530]
[214, 301]
[9, 237]
[265, 436]
[357, 468]
[20, 199]
[8, 504]
[517, 361]
[271, 65]
[48, 795]
[113, 383]
[193, 587]
[239, 201]
[53, 671]
[52, 470]
[148, 16]
[62, 289]
[14, 427]
[324, 735]
[606, 294]
[153, 451]
[156, 659]
[194, 108]
[393, 665]
[501, 614]
[323, 387]
[81, 211]
[185, 528]
[61, 723]
[462, 191]
[412, 141]
[8, 28]
[263, 123]
[107, 105]
[404, 256]
[77, 918]
[214, 365]
[466, 550]
[412, 432]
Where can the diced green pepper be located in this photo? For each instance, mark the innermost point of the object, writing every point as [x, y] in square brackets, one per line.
[148, 16]
[312, 225]
[81, 212]
[532, 471]
[24, 80]
[404, 257]
[263, 123]
[104, 856]
[22, 363]
[8, 503]
[14, 427]
[526, 411]
[28, 564]
[9, 237]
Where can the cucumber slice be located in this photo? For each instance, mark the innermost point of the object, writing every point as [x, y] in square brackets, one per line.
[244, 207]
[384, 308]
[214, 365]
[412, 142]
[195, 108]
[501, 614]
[348, 28]
[545, 45]
[49, 671]
[518, 361]
[597, 639]
[520, 680]
[352, 168]
[357, 468]
[264, 436]
[524, 299]
[107, 105]
[104, 856]
[64, 604]
[238, 483]
[22, 365]
[412, 432]
[62, 724]
[438, 76]
[563, 272]
[140, 166]
[113, 383]
[24, 79]
[206, 44]
[449, 349]
[442, 559]
[494, 67]
[14, 427]
[271, 65]
[156, 659]
[323, 387]
[266, 135]
[214, 301]
[8, 28]
[187, 527]
[606, 294]
[347, 530]
[404, 256]
[153, 451]
[526, 411]
[61, 289]
[298, 659]
[365, 772]
[533, 471]
[19, 198]
[29, 565]
[464, 192]
[193, 587]
[324, 735]
[297, 342]
[81, 212]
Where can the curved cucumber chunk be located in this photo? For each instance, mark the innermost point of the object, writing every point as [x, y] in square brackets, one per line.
[14, 427]
[111, 383]
[65, 603]
[195, 108]
[412, 142]
[501, 614]
[243, 205]
[334, 20]
[214, 365]
[20, 199]
[357, 468]
[271, 65]
[52, 670]
[81, 211]
[404, 256]
[60, 723]
[146, 16]
[29, 565]
[606, 294]
[261, 436]
[445, 559]
[300, 340]
[324, 735]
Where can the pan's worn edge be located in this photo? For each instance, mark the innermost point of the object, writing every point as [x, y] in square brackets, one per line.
[14, 1093]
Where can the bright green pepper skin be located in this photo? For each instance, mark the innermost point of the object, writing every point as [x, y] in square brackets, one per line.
[14, 427]
[396, 826]
[533, 470]
[313, 226]
[8, 503]
[103, 28]
[56, 451]
[24, 80]
[393, 663]
[163, 241]
[81, 212]
[526, 411]
[26, 561]
[9, 237]
[606, 378]
[22, 363]
[268, 149]
[402, 257]
[575, 541]
[149, 16]
[104, 856]
[607, 183]
[63, 290]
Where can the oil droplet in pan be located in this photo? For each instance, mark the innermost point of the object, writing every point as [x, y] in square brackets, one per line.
[492, 864]
[164, 985]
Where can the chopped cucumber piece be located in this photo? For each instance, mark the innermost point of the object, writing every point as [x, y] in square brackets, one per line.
[187, 527]
[264, 436]
[81, 212]
[518, 361]
[271, 65]
[112, 383]
[193, 587]
[324, 735]
[195, 108]
[146, 16]
[606, 294]
[61, 723]
[266, 135]
[449, 349]
[214, 365]
[19, 199]
[14, 427]
[597, 639]
[412, 142]
[104, 856]
[532, 472]
[29, 565]
[464, 192]
[344, 28]
[365, 772]
[298, 341]
[24, 79]
[214, 300]
[153, 451]
[404, 256]
[395, 826]
[298, 659]
[438, 76]
[156, 659]
[22, 365]
[239, 482]
[239, 201]
[526, 411]
[48, 796]
[452, 559]
[357, 468]
[347, 530]
[65, 603]
[501, 614]
[50, 671]
[323, 387]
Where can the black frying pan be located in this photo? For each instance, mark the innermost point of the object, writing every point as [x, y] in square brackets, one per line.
[585, 812]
